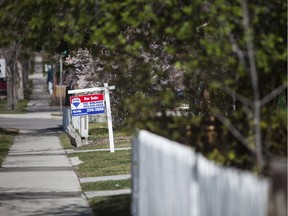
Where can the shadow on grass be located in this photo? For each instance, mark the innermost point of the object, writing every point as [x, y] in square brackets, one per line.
[111, 205]
[7, 131]
[20, 108]
[103, 132]
[6, 140]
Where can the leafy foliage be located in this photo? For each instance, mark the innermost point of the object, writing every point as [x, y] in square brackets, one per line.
[201, 72]
[111, 205]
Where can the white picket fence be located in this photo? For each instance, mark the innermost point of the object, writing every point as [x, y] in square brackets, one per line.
[170, 179]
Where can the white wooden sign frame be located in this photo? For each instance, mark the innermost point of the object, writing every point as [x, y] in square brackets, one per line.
[106, 89]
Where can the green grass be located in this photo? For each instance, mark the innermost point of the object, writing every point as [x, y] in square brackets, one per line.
[19, 108]
[65, 142]
[103, 163]
[21, 105]
[6, 140]
[56, 114]
[111, 205]
[99, 138]
[119, 142]
[100, 130]
[107, 185]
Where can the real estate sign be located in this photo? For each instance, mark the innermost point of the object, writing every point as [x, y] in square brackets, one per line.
[93, 104]
[87, 104]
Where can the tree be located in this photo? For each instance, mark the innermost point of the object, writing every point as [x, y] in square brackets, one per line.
[227, 47]
[15, 74]
[224, 50]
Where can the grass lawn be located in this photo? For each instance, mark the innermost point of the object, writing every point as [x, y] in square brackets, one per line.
[100, 130]
[111, 205]
[65, 142]
[107, 185]
[21, 105]
[99, 138]
[6, 140]
[103, 163]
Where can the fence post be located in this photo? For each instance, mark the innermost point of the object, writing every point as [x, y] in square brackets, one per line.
[135, 176]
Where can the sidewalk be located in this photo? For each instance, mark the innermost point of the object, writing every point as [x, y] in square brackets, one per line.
[37, 178]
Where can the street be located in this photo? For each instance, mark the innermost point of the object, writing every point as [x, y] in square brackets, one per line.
[30, 123]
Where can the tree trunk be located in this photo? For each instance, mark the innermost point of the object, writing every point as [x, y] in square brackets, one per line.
[14, 75]
[11, 93]
[19, 81]
[26, 68]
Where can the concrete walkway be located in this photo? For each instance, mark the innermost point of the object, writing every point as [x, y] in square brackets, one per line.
[104, 178]
[37, 178]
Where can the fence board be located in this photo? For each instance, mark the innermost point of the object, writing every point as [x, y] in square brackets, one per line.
[171, 179]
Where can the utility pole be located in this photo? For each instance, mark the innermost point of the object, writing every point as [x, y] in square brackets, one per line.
[61, 72]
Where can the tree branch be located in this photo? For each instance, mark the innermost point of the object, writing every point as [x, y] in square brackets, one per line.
[241, 98]
[237, 49]
[272, 94]
[236, 133]
[254, 79]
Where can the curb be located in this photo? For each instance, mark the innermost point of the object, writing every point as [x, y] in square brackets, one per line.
[92, 194]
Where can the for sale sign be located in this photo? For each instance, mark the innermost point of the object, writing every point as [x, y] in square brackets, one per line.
[87, 104]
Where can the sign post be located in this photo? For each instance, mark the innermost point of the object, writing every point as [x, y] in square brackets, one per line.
[93, 104]
[109, 118]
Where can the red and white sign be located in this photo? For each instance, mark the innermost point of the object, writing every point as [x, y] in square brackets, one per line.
[87, 104]
[88, 98]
